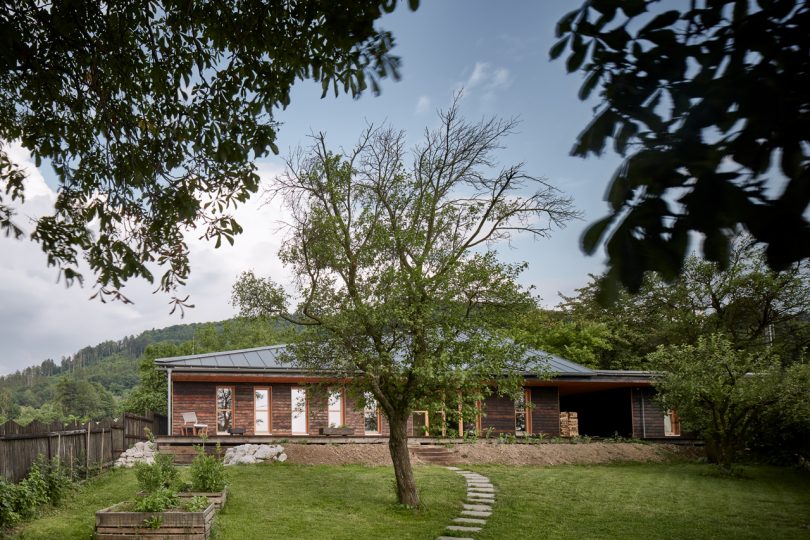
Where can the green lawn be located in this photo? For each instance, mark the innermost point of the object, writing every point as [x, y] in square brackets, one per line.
[607, 501]
[647, 501]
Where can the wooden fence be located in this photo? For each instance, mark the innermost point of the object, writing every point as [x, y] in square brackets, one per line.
[88, 446]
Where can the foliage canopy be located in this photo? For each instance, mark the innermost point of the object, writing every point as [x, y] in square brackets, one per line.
[151, 113]
[706, 102]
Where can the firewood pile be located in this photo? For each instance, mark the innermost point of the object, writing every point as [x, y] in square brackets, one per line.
[569, 424]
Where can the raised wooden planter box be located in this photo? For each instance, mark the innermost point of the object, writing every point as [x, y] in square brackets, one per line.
[342, 431]
[217, 498]
[112, 524]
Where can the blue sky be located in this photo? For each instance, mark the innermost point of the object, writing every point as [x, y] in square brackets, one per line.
[497, 51]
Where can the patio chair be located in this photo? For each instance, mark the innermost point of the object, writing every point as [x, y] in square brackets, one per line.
[190, 423]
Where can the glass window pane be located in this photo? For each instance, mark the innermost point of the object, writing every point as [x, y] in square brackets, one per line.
[335, 412]
[299, 410]
[262, 421]
[223, 398]
[520, 422]
[261, 399]
[223, 421]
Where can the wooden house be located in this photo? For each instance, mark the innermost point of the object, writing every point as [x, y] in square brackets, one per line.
[252, 392]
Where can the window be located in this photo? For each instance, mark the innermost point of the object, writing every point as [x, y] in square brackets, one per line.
[522, 414]
[335, 409]
[298, 401]
[672, 424]
[371, 416]
[262, 398]
[224, 409]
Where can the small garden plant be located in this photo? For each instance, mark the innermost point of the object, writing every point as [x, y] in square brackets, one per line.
[207, 472]
[158, 483]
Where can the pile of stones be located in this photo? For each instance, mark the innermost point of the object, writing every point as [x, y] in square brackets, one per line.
[247, 454]
[142, 451]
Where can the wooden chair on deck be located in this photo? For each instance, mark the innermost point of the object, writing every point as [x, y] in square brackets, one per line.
[190, 424]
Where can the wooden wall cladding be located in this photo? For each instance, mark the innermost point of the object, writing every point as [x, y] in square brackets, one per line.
[546, 411]
[648, 417]
[499, 414]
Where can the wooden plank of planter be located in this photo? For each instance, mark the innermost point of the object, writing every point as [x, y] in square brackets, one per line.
[218, 498]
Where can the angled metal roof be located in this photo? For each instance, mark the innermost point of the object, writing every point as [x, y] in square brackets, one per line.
[269, 359]
[259, 359]
[559, 365]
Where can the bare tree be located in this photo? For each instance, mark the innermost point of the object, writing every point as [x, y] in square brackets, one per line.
[398, 286]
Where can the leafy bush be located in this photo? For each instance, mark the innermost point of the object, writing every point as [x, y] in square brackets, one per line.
[35, 487]
[157, 501]
[207, 472]
[45, 483]
[160, 474]
[8, 504]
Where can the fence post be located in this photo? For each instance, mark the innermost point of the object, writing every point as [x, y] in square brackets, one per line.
[87, 453]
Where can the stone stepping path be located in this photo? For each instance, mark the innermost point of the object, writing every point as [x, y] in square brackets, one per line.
[477, 508]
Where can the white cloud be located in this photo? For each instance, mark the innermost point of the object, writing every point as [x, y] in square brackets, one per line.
[42, 319]
[487, 78]
[423, 104]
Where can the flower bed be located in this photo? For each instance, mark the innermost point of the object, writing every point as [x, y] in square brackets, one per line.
[217, 498]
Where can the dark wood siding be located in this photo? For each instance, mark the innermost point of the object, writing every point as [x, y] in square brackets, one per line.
[546, 412]
[645, 408]
[499, 414]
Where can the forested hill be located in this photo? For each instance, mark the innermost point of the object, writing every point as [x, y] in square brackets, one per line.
[103, 374]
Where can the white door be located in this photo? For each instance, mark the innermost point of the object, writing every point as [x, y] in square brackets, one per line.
[299, 411]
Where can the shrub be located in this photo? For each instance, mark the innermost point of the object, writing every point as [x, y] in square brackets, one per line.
[207, 472]
[160, 474]
[8, 504]
[36, 487]
[157, 501]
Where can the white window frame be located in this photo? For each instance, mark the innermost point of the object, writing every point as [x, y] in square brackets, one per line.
[294, 410]
[335, 414]
[269, 410]
[371, 407]
[218, 409]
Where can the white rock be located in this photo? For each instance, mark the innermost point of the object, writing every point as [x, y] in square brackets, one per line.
[282, 457]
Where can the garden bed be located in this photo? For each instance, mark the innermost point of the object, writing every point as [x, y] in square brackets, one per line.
[217, 498]
[115, 523]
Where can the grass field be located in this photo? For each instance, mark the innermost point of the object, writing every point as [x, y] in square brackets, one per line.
[607, 501]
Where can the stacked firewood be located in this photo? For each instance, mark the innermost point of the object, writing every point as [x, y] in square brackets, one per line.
[569, 424]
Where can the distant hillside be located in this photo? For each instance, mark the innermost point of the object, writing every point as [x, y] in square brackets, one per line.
[109, 370]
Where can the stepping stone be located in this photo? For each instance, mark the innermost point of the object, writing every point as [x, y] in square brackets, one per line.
[473, 513]
[453, 538]
[480, 484]
[478, 507]
[461, 528]
[480, 496]
[452, 468]
[481, 489]
[471, 520]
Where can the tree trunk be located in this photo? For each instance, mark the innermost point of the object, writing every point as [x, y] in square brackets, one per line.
[398, 446]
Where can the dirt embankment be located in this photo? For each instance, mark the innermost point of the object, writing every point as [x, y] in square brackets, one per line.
[496, 453]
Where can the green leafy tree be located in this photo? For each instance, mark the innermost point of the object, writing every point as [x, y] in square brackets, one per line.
[583, 341]
[399, 288]
[755, 306]
[152, 113]
[719, 392]
[151, 393]
[706, 101]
